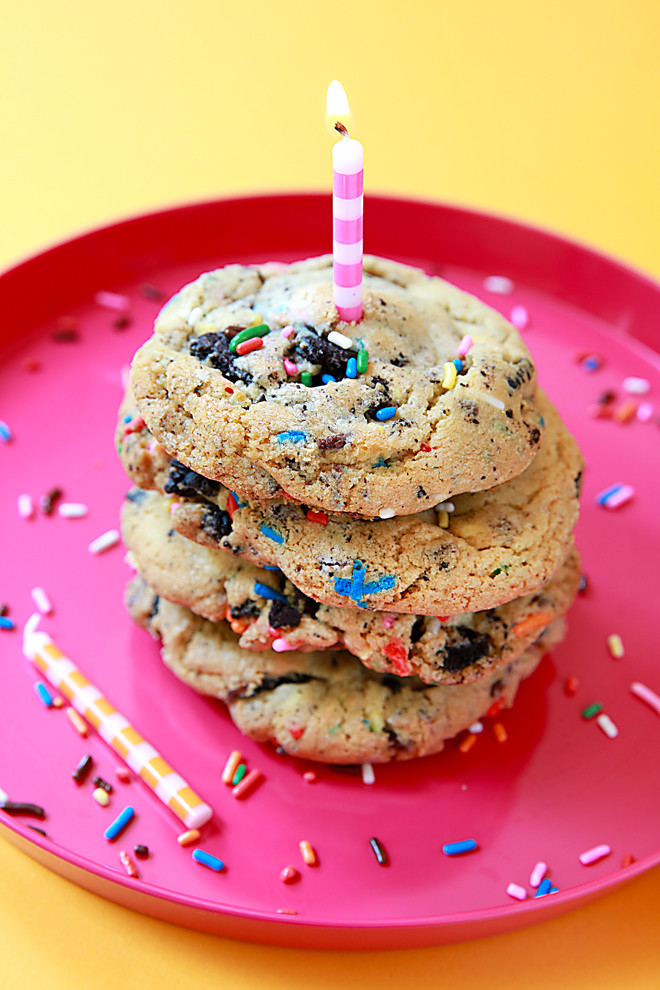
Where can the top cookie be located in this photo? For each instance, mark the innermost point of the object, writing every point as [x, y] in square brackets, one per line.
[370, 418]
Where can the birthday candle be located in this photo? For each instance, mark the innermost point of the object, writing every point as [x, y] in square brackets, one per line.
[347, 209]
[115, 729]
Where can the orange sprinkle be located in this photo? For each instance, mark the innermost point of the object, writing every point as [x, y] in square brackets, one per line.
[58, 702]
[499, 732]
[571, 684]
[307, 852]
[466, 745]
[317, 517]
[231, 766]
[76, 721]
[530, 623]
[187, 838]
[625, 411]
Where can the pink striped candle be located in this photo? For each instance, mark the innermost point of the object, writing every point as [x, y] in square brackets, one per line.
[347, 211]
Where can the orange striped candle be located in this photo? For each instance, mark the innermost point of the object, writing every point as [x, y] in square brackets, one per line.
[115, 729]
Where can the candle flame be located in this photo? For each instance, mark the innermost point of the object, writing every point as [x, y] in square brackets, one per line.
[337, 110]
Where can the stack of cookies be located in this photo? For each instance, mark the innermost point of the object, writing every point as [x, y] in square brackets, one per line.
[358, 536]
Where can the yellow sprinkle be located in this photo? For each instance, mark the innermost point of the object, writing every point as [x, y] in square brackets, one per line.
[443, 518]
[615, 646]
[76, 721]
[101, 797]
[467, 743]
[307, 853]
[187, 838]
[451, 374]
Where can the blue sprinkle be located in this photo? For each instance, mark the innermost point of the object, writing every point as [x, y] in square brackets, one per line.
[544, 887]
[266, 592]
[456, 848]
[591, 363]
[351, 369]
[206, 859]
[458, 364]
[327, 379]
[271, 534]
[239, 504]
[603, 496]
[381, 463]
[270, 567]
[355, 587]
[387, 413]
[5, 432]
[6, 622]
[127, 418]
[43, 694]
[541, 421]
[119, 824]
[291, 436]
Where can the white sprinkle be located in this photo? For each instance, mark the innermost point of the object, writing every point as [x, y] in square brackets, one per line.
[593, 855]
[515, 890]
[368, 775]
[104, 541]
[499, 284]
[619, 497]
[41, 600]
[607, 725]
[111, 300]
[25, 506]
[3, 797]
[445, 506]
[476, 727]
[538, 874]
[644, 412]
[340, 339]
[386, 513]
[519, 317]
[72, 510]
[194, 315]
[636, 386]
[646, 694]
[491, 400]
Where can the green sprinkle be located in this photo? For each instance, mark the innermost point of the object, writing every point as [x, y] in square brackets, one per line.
[503, 568]
[248, 334]
[238, 776]
[334, 729]
[591, 710]
[362, 360]
[306, 378]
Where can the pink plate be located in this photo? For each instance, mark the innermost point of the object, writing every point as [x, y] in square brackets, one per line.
[556, 787]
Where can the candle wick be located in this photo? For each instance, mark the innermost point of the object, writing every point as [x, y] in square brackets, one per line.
[340, 127]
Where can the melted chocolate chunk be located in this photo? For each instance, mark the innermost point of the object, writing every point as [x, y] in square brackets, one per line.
[417, 630]
[318, 350]
[335, 442]
[282, 614]
[270, 683]
[214, 349]
[472, 646]
[216, 522]
[246, 610]
[183, 481]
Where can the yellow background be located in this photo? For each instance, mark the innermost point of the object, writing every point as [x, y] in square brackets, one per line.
[543, 111]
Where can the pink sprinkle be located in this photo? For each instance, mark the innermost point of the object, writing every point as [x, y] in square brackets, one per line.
[290, 367]
[173, 507]
[281, 645]
[538, 873]
[644, 412]
[123, 774]
[515, 890]
[387, 620]
[153, 446]
[519, 317]
[593, 855]
[111, 300]
[288, 331]
[620, 497]
[646, 694]
[289, 874]
[464, 345]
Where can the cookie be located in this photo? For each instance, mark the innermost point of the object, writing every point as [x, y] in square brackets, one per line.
[371, 418]
[265, 609]
[323, 706]
[492, 547]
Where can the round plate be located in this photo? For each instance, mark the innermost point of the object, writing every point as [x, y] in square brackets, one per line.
[556, 787]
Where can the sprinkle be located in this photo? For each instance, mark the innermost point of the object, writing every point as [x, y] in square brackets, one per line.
[492, 401]
[141, 851]
[76, 721]
[645, 693]
[538, 873]
[100, 782]
[328, 379]
[288, 331]
[519, 317]
[73, 510]
[83, 769]
[22, 808]
[627, 860]
[388, 412]
[458, 848]
[516, 891]
[386, 513]
[287, 911]
[445, 506]
[111, 300]
[248, 334]
[644, 412]
[6, 622]
[101, 797]
[281, 645]
[290, 366]
[499, 284]
[615, 495]
[232, 764]
[119, 824]
[43, 694]
[247, 783]
[128, 864]
[449, 381]
[351, 368]
[615, 646]
[289, 874]
[443, 518]
[316, 516]
[5, 432]
[593, 855]
[591, 362]
[571, 684]
[246, 346]
[379, 851]
[271, 534]
[545, 887]
[625, 411]
[41, 600]
[607, 725]
[25, 506]
[123, 775]
[499, 732]
[269, 593]
[187, 838]
[458, 364]
[464, 345]
[368, 775]
[340, 339]
[495, 708]
[362, 360]
[531, 623]
[307, 852]
[387, 621]
[355, 588]
[239, 773]
[591, 710]
[66, 329]
[103, 542]
[467, 743]
[47, 501]
[310, 776]
[206, 859]
[291, 436]
[476, 727]
[306, 379]
[636, 386]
